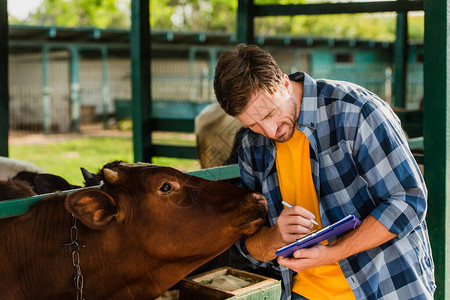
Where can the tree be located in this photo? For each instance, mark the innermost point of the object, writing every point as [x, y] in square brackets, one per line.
[75, 13]
[220, 15]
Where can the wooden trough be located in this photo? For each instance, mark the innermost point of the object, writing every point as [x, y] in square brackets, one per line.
[198, 287]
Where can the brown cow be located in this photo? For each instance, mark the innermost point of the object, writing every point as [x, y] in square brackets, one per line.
[144, 230]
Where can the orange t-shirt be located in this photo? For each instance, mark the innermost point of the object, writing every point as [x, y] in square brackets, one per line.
[297, 188]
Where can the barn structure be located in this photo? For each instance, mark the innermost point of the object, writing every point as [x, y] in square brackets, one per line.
[61, 77]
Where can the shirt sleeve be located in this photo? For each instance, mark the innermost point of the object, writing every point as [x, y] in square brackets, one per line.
[383, 159]
[248, 181]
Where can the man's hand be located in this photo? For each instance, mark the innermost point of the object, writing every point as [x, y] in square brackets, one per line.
[371, 233]
[306, 258]
[292, 224]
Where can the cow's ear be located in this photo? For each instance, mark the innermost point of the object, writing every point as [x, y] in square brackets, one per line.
[49, 183]
[95, 208]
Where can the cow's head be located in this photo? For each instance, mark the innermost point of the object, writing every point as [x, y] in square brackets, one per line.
[174, 216]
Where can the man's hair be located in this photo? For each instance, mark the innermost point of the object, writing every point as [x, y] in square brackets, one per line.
[241, 73]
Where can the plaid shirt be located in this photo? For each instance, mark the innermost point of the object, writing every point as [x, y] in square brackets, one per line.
[361, 164]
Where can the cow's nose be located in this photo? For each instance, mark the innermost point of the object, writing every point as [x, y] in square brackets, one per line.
[260, 199]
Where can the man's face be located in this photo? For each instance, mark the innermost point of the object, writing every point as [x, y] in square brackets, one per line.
[274, 116]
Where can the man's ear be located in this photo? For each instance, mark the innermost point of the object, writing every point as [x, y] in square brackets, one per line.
[287, 82]
[93, 207]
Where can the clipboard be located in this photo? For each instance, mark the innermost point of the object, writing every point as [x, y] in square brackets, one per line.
[317, 236]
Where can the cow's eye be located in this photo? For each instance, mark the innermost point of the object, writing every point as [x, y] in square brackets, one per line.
[166, 187]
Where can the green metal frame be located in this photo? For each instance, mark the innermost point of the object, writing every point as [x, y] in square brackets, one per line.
[336, 8]
[4, 86]
[105, 86]
[16, 207]
[437, 136]
[245, 21]
[46, 105]
[75, 88]
[140, 80]
[400, 54]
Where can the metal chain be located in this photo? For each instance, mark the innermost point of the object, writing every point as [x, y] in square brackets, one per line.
[74, 247]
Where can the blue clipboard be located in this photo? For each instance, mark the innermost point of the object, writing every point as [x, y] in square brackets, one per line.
[315, 237]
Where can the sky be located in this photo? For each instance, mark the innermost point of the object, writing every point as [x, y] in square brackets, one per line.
[21, 8]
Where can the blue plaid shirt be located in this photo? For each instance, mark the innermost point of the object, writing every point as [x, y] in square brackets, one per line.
[361, 164]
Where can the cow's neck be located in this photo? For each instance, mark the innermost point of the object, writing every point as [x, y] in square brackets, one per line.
[32, 243]
[142, 275]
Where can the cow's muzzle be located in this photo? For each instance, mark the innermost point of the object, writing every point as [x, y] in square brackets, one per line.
[253, 213]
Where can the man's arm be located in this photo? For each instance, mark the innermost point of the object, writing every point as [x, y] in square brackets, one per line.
[371, 233]
[292, 224]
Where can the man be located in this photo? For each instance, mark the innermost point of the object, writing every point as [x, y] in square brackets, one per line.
[331, 149]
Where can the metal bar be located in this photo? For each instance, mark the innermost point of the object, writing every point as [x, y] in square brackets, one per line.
[218, 173]
[191, 58]
[141, 79]
[46, 105]
[437, 136]
[75, 88]
[174, 151]
[173, 125]
[245, 22]
[400, 54]
[335, 8]
[4, 85]
[16, 207]
[415, 143]
[105, 85]
[213, 56]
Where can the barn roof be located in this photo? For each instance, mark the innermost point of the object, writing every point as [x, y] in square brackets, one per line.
[20, 34]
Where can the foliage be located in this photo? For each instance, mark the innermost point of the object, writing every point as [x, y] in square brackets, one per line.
[220, 15]
[197, 15]
[75, 13]
[361, 26]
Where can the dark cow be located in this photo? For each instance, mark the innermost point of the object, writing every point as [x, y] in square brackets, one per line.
[43, 183]
[144, 230]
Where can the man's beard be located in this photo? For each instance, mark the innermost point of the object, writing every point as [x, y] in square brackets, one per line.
[291, 126]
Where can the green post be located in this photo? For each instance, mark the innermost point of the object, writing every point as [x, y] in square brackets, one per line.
[46, 106]
[245, 22]
[437, 136]
[75, 88]
[213, 56]
[191, 55]
[4, 85]
[141, 80]
[105, 85]
[400, 54]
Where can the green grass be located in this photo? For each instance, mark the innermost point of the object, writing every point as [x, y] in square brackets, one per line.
[65, 158]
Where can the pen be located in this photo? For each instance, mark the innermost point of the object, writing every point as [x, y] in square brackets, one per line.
[289, 205]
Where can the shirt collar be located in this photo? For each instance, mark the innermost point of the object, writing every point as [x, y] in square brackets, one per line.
[308, 109]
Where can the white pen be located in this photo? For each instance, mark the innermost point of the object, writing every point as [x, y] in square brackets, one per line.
[289, 205]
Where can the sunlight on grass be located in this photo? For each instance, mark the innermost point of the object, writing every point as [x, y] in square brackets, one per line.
[65, 158]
